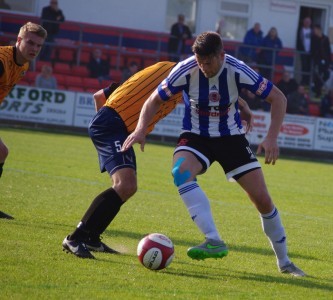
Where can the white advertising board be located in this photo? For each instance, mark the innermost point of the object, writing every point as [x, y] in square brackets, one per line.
[56, 107]
[84, 109]
[297, 132]
[35, 105]
[260, 127]
[324, 135]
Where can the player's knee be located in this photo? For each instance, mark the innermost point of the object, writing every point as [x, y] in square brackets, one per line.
[3, 152]
[125, 188]
[263, 203]
[180, 176]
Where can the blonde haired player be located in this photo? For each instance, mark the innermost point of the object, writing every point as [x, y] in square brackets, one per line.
[14, 62]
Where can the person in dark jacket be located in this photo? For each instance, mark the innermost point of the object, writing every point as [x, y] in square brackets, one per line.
[178, 36]
[326, 105]
[287, 85]
[252, 40]
[298, 102]
[321, 56]
[51, 17]
[98, 67]
[271, 44]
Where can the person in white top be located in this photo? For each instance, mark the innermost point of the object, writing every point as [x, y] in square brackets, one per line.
[212, 131]
[303, 44]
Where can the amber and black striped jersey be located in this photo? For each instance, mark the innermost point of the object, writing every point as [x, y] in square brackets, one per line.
[10, 71]
[128, 99]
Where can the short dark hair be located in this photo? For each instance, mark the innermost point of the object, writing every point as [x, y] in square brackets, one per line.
[208, 43]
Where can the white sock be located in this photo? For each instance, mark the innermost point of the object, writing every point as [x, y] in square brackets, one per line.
[272, 226]
[199, 208]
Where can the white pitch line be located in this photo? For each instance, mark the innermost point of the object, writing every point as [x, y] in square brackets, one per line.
[91, 182]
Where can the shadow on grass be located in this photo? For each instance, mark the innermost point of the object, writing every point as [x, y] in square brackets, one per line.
[306, 282]
[188, 243]
[177, 242]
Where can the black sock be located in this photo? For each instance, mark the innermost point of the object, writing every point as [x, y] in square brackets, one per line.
[1, 165]
[99, 215]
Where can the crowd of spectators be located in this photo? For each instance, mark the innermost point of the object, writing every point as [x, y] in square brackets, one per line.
[258, 50]
[313, 45]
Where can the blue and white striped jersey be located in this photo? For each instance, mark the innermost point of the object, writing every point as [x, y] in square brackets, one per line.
[211, 104]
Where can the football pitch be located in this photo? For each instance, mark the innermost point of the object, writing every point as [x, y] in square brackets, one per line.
[50, 179]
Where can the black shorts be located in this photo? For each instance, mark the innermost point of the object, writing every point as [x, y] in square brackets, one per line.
[108, 133]
[232, 152]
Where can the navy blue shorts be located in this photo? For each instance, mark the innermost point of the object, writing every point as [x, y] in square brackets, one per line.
[108, 133]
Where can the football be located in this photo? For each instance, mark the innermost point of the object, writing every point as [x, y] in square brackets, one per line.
[155, 251]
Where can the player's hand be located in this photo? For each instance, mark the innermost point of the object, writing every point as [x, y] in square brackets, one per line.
[246, 115]
[247, 120]
[271, 148]
[134, 137]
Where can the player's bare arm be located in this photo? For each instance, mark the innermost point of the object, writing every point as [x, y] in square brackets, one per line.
[148, 111]
[278, 110]
[99, 98]
[246, 114]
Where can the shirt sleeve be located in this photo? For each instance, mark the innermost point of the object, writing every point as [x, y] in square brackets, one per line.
[177, 80]
[252, 81]
[110, 89]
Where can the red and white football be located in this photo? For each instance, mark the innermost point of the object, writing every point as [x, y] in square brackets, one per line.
[155, 251]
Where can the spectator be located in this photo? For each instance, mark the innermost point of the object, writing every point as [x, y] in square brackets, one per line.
[287, 84]
[99, 68]
[252, 40]
[298, 102]
[321, 56]
[45, 79]
[271, 44]
[326, 106]
[51, 17]
[254, 102]
[303, 44]
[329, 82]
[178, 36]
[130, 70]
[4, 5]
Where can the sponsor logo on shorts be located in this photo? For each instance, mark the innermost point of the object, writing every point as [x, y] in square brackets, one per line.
[182, 142]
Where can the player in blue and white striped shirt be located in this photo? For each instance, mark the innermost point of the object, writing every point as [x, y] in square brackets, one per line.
[212, 131]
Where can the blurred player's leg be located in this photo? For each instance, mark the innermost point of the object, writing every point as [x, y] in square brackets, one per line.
[3, 156]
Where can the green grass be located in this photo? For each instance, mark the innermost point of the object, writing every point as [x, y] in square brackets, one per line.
[50, 179]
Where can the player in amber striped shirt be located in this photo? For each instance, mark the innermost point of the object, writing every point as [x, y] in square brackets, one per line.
[14, 62]
[118, 111]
